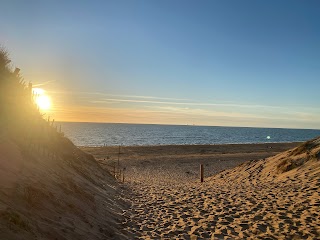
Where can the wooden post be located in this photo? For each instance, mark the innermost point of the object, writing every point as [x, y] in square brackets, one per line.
[118, 157]
[114, 170]
[16, 72]
[123, 175]
[201, 172]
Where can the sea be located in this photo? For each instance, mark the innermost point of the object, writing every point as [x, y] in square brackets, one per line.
[118, 134]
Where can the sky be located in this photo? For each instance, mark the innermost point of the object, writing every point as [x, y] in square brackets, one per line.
[218, 63]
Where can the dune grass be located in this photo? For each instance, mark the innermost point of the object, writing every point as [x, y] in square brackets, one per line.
[20, 117]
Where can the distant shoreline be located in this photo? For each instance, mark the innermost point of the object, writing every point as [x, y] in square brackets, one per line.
[191, 145]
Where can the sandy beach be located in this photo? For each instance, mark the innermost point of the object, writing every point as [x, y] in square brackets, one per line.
[179, 163]
[247, 198]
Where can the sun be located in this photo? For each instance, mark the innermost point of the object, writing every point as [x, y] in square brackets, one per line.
[41, 99]
[43, 102]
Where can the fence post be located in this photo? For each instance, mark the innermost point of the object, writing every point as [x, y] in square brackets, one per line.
[123, 175]
[201, 172]
[119, 157]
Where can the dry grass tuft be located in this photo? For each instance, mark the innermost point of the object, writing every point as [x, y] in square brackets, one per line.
[304, 148]
[290, 164]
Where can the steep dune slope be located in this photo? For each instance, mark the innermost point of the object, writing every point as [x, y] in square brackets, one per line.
[56, 197]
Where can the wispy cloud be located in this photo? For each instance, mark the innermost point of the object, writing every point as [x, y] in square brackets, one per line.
[107, 100]
[43, 83]
[178, 115]
[117, 95]
[148, 97]
[105, 107]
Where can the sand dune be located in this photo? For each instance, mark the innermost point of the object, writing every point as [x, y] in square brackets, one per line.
[49, 189]
[266, 197]
[56, 197]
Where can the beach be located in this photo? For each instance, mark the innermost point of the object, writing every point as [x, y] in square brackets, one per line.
[242, 196]
[180, 163]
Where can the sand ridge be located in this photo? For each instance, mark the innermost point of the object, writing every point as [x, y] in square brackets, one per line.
[65, 197]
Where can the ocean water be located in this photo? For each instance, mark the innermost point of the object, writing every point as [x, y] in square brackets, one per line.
[114, 134]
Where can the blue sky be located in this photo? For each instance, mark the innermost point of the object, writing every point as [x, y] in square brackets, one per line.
[235, 63]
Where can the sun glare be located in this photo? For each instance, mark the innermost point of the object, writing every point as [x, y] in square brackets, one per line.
[41, 99]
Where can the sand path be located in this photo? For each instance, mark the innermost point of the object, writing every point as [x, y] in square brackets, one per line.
[169, 202]
[221, 210]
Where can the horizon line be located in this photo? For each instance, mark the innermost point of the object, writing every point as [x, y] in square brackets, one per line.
[189, 125]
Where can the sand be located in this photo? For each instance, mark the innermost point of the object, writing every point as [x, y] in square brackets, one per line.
[178, 163]
[63, 197]
[273, 194]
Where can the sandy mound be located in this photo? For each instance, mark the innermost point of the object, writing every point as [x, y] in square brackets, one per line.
[275, 197]
[64, 196]
[272, 198]
[301, 163]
